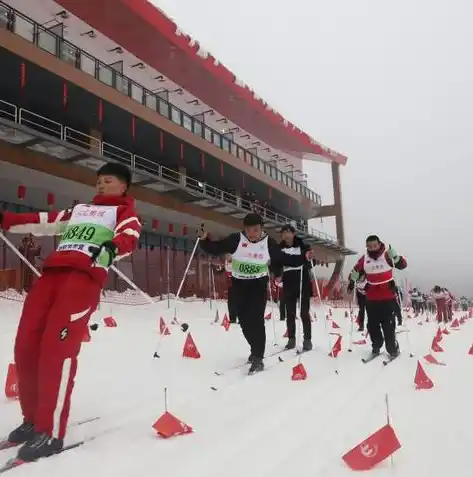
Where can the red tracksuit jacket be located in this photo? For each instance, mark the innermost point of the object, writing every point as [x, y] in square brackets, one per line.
[122, 217]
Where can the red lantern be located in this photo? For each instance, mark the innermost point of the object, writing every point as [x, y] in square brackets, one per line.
[184, 230]
[155, 224]
[171, 228]
[50, 199]
[21, 192]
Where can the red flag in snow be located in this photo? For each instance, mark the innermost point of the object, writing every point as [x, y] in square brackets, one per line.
[421, 380]
[11, 383]
[433, 360]
[335, 325]
[163, 329]
[436, 347]
[455, 323]
[168, 426]
[110, 322]
[360, 342]
[439, 335]
[226, 322]
[373, 450]
[299, 373]
[268, 316]
[190, 349]
[337, 347]
[470, 352]
[445, 331]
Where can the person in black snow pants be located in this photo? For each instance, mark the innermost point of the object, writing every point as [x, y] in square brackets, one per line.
[254, 255]
[294, 290]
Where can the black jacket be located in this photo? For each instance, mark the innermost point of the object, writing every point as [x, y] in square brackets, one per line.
[278, 259]
[292, 278]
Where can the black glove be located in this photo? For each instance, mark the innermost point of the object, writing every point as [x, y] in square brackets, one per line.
[108, 247]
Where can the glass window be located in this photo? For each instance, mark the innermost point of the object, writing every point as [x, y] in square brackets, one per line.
[47, 41]
[234, 149]
[175, 115]
[241, 153]
[3, 17]
[163, 108]
[87, 64]
[207, 134]
[262, 165]
[197, 128]
[150, 100]
[105, 74]
[225, 144]
[217, 139]
[187, 121]
[280, 176]
[24, 28]
[122, 83]
[137, 93]
[69, 53]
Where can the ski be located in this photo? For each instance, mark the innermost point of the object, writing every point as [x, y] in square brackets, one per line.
[15, 462]
[6, 444]
[390, 359]
[370, 358]
[242, 365]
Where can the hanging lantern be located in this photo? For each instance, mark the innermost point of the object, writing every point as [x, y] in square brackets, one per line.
[155, 224]
[171, 228]
[21, 192]
[184, 230]
[50, 199]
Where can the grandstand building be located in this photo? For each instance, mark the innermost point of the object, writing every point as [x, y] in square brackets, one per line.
[85, 82]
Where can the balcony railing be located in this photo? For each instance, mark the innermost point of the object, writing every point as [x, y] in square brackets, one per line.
[48, 41]
[87, 145]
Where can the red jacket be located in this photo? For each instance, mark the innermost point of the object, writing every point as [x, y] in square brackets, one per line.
[126, 233]
[386, 290]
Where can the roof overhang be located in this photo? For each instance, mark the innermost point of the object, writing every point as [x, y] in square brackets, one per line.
[150, 35]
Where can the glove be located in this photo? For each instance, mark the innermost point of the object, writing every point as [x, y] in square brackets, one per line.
[105, 254]
[201, 233]
[354, 276]
[392, 254]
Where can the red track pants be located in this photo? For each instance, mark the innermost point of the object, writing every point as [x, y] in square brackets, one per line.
[54, 319]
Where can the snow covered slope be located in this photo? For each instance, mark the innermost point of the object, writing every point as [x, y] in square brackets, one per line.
[259, 426]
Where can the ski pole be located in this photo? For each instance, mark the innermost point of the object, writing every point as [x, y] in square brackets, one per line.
[273, 313]
[351, 320]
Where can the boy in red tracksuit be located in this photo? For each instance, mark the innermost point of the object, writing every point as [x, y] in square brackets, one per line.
[378, 266]
[56, 311]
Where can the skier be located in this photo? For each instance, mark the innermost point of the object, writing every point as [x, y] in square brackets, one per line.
[464, 303]
[440, 297]
[361, 301]
[296, 288]
[416, 300]
[381, 294]
[252, 250]
[57, 310]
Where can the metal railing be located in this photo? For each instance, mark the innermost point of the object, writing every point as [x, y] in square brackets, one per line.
[18, 23]
[91, 145]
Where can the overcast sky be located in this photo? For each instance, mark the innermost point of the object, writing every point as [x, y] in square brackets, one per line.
[387, 83]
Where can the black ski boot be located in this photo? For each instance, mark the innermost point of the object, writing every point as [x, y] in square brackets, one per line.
[22, 434]
[395, 353]
[307, 345]
[375, 352]
[291, 343]
[250, 359]
[256, 366]
[41, 445]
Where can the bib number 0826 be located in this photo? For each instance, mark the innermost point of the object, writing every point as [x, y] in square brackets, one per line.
[249, 269]
[77, 232]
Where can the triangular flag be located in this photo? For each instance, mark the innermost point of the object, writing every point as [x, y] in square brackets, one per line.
[168, 426]
[337, 347]
[445, 331]
[373, 450]
[110, 322]
[285, 334]
[163, 329]
[11, 383]
[432, 360]
[439, 335]
[335, 325]
[226, 322]
[360, 342]
[268, 316]
[436, 347]
[462, 320]
[421, 380]
[190, 349]
[299, 373]
[471, 350]
[455, 323]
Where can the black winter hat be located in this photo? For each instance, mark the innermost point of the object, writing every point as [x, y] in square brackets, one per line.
[119, 171]
[252, 219]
